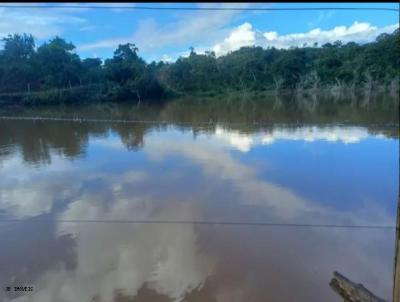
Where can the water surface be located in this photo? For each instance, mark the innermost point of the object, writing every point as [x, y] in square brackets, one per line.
[245, 205]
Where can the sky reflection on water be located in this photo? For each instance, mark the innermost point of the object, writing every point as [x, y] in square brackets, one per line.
[342, 175]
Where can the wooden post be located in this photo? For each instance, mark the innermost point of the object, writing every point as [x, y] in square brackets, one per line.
[350, 291]
[396, 280]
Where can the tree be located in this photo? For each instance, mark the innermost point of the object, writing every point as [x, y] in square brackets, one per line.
[18, 47]
[57, 64]
[126, 76]
[92, 71]
[16, 71]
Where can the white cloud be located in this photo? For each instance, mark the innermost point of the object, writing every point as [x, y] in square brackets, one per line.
[244, 142]
[245, 35]
[26, 192]
[41, 23]
[44, 22]
[217, 163]
[166, 58]
[165, 258]
[311, 134]
[357, 32]
[241, 142]
[189, 28]
[209, 152]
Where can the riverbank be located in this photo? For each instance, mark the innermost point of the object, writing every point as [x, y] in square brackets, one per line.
[375, 108]
[96, 94]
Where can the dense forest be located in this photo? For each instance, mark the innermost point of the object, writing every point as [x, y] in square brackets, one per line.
[53, 72]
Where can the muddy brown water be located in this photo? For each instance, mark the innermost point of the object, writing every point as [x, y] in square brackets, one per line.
[197, 202]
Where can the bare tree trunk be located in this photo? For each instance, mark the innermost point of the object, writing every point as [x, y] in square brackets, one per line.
[314, 104]
[243, 87]
[278, 83]
[299, 85]
[278, 101]
[317, 81]
[139, 100]
[394, 87]
[367, 89]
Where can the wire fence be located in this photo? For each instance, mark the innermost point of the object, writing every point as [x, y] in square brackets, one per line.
[190, 222]
[190, 123]
[48, 91]
[201, 8]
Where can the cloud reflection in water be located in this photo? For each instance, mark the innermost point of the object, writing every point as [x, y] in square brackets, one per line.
[187, 262]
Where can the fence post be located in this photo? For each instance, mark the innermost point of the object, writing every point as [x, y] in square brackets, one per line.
[396, 280]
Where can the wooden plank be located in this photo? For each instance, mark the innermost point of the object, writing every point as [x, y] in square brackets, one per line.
[350, 291]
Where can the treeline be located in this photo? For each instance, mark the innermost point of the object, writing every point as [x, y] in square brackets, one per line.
[57, 70]
[54, 67]
[255, 68]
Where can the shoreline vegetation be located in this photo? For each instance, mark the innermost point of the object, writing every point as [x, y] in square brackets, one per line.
[256, 110]
[35, 133]
[54, 74]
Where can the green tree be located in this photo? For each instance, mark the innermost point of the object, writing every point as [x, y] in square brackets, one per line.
[57, 64]
[16, 72]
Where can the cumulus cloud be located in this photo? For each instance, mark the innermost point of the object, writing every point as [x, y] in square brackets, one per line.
[241, 142]
[330, 134]
[210, 153]
[246, 35]
[26, 192]
[219, 164]
[244, 142]
[243, 35]
[164, 259]
[360, 32]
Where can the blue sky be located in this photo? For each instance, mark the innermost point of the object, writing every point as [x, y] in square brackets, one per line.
[167, 35]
